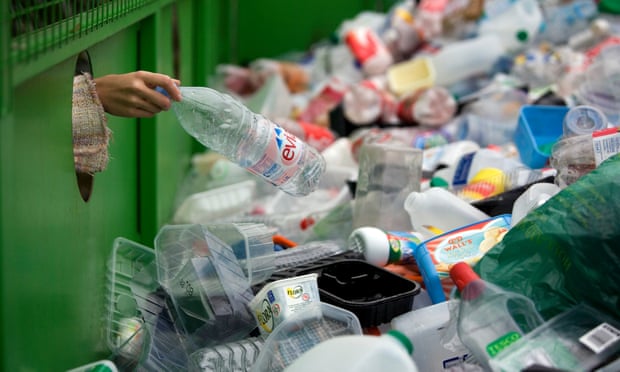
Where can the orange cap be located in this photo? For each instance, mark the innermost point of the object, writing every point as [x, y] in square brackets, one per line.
[462, 274]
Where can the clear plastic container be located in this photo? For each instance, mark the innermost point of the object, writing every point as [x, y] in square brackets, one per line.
[140, 328]
[206, 283]
[387, 174]
[300, 333]
[359, 353]
[236, 356]
[131, 264]
[215, 204]
[490, 318]
[578, 339]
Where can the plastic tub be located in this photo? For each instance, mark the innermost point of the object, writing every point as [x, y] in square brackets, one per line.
[539, 127]
[206, 283]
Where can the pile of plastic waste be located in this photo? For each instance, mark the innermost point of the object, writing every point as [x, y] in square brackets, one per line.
[453, 132]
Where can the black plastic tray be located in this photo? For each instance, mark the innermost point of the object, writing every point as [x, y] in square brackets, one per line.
[374, 294]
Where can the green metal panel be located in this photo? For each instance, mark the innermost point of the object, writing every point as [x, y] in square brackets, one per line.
[269, 28]
[164, 145]
[54, 245]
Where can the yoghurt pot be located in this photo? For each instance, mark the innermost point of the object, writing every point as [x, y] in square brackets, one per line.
[278, 300]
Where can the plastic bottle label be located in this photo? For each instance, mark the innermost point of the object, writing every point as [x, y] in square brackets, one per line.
[501, 343]
[606, 143]
[462, 170]
[363, 43]
[402, 246]
[280, 161]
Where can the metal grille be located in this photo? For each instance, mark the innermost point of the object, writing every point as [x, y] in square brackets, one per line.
[38, 26]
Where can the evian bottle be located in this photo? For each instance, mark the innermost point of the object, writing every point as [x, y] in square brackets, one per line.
[225, 125]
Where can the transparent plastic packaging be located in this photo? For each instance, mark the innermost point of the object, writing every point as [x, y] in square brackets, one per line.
[389, 352]
[232, 356]
[578, 339]
[490, 318]
[301, 332]
[225, 125]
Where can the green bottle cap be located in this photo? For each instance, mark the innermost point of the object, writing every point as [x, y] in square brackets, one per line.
[439, 182]
[522, 36]
[402, 338]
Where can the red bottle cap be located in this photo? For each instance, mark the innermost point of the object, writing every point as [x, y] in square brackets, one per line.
[462, 274]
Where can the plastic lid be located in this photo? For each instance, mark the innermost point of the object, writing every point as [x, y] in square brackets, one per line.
[372, 242]
[462, 274]
[439, 182]
[402, 338]
[522, 36]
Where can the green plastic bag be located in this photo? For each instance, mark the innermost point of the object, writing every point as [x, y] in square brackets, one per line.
[567, 251]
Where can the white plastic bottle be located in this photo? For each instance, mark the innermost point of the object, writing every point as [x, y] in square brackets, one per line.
[517, 25]
[466, 58]
[437, 209]
[256, 143]
[384, 247]
[359, 353]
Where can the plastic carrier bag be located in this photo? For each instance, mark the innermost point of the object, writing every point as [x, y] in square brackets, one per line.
[567, 251]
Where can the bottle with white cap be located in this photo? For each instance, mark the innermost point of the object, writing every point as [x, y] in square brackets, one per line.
[384, 247]
[388, 352]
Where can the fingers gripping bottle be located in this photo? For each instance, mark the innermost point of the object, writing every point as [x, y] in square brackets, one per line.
[226, 126]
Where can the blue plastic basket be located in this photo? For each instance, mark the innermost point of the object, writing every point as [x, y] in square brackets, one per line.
[539, 127]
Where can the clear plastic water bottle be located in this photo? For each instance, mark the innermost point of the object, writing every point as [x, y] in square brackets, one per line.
[369, 101]
[256, 143]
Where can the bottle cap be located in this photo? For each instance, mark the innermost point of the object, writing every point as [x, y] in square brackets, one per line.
[162, 91]
[402, 338]
[439, 182]
[372, 242]
[462, 274]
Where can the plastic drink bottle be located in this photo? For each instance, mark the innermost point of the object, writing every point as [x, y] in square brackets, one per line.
[430, 106]
[256, 143]
[359, 353]
[467, 58]
[516, 26]
[439, 209]
[369, 101]
[369, 50]
[490, 318]
[314, 135]
[384, 247]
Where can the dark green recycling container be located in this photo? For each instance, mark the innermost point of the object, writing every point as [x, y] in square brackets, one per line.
[54, 245]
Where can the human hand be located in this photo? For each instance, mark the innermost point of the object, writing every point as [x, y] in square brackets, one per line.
[133, 94]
